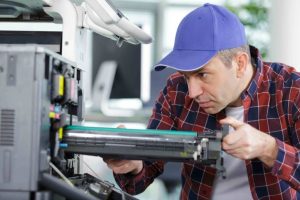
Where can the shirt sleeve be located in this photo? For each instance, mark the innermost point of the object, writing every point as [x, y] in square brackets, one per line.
[135, 184]
[162, 118]
[287, 164]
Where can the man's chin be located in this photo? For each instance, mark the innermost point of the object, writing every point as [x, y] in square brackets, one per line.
[211, 110]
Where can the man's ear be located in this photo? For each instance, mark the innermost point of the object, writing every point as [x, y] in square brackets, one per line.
[242, 61]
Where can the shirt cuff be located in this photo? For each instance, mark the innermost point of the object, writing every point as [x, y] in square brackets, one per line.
[285, 160]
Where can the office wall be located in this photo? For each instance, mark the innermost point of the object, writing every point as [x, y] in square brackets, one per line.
[285, 32]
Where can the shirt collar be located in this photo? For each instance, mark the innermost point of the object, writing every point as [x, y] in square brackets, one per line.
[257, 63]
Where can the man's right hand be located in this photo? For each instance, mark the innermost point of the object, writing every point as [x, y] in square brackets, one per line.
[124, 166]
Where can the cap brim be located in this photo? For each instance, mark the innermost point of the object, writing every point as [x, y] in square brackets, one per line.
[185, 60]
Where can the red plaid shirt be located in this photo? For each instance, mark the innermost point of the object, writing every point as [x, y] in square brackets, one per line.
[271, 104]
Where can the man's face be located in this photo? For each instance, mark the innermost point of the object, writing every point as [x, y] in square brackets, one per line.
[214, 86]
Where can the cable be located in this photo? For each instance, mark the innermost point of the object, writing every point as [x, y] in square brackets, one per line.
[60, 187]
[61, 174]
[88, 166]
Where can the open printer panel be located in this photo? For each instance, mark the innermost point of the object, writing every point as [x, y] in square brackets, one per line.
[41, 92]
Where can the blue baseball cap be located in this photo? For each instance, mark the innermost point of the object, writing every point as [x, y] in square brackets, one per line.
[200, 35]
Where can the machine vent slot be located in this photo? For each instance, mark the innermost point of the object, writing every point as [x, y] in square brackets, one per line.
[7, 127]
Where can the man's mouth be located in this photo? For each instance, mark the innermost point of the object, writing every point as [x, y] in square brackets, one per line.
[204, 104]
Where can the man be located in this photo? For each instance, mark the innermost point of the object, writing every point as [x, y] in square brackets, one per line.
[220, 81]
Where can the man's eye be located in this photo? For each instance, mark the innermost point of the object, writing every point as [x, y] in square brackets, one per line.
[202, 75]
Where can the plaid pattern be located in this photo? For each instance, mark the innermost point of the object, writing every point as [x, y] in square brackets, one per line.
[271, 104]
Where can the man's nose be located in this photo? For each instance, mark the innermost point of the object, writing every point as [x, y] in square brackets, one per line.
[195, 87]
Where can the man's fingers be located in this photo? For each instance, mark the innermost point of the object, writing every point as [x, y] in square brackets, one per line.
[231, 143]
[114, 162]
[232, 122]
[121, 169]
[118, 166]
[231, 139]
[125, 166]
